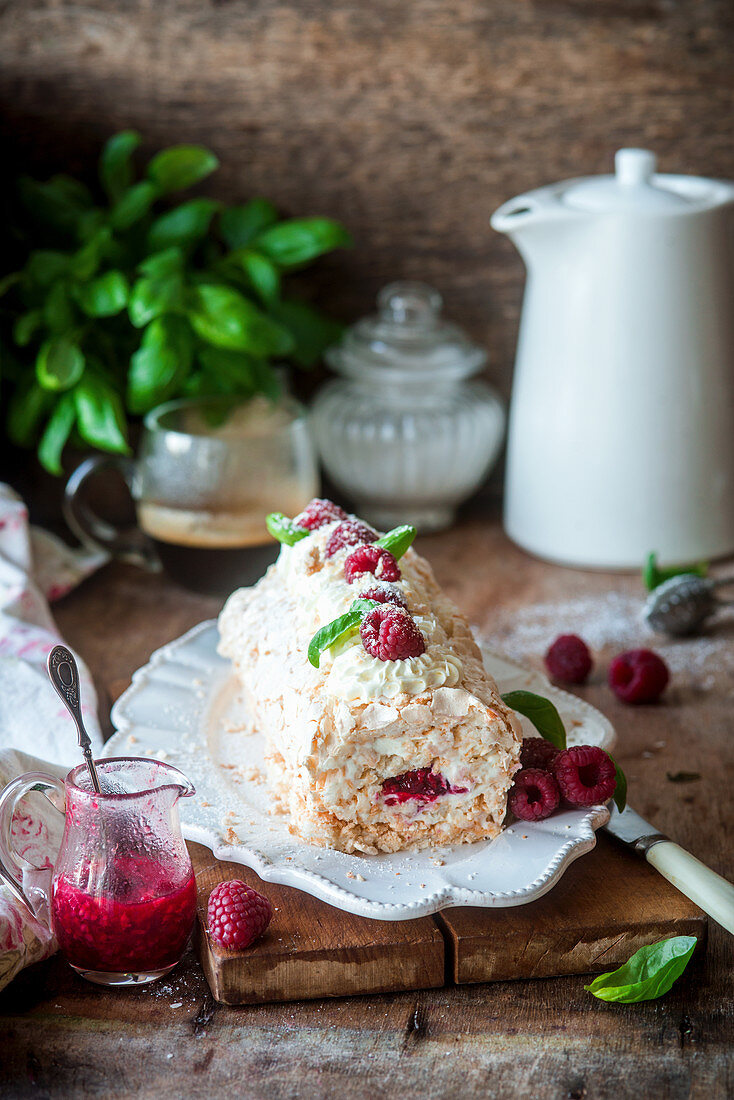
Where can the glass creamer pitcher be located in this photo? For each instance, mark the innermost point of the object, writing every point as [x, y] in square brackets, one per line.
[121, 898]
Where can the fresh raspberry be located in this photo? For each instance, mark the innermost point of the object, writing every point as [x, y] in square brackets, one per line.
[384, 593]
[536, 752]
[534, 795]
[568, 659]
[318, 513]
[237, 914]
[349, 533]
[371, 559]
[390, 634]
[638, 676]
[585, 774]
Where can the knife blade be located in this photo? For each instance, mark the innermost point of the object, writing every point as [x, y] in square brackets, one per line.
[714, 894]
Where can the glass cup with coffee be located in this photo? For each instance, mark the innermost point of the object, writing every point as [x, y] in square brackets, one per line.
[207, 473]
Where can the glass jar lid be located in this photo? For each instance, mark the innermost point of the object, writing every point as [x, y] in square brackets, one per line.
[406, 340]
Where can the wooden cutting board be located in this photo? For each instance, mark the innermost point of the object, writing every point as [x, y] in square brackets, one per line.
[607, 905]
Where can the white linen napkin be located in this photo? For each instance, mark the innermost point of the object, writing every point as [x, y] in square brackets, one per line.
[34, 567]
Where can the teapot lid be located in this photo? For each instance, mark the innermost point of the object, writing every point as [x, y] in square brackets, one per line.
[633, 187]
[407, 338]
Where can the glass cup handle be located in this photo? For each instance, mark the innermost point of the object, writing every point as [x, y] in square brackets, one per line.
[11, 872]
[128, 544]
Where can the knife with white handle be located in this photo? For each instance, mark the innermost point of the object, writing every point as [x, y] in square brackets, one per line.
[694, 879]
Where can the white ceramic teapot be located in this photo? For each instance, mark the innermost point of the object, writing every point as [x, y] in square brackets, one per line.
[621, 432]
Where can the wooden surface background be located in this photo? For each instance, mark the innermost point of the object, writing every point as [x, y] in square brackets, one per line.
[410, 121]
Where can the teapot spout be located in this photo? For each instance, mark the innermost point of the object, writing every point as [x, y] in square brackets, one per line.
[527, 219]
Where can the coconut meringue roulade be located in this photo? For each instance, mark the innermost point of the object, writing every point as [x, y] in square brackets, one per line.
[369, 753]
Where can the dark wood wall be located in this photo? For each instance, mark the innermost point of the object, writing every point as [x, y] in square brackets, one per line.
[411, 120]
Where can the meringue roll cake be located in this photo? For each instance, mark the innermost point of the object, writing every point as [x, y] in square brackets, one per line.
[383, 731]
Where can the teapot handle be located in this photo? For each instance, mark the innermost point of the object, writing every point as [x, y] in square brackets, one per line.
[11, 872]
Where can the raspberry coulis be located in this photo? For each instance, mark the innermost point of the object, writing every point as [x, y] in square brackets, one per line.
[144, 927]
[423, 785]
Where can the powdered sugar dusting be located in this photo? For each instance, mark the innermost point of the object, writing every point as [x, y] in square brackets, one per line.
[613, 622]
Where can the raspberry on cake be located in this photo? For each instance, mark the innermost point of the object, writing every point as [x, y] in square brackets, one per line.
[349, 533]
[396, 737]
[371, 559]
[384, 593]
[318, 513]
[390, 634]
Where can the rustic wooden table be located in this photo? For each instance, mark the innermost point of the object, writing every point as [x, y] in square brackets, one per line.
[61, 1037]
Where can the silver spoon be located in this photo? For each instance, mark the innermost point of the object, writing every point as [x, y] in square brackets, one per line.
[65, 678]
[683, 604]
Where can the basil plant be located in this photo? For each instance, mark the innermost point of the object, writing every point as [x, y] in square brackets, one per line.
[127, 299]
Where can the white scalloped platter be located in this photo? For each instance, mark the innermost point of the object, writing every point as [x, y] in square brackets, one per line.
[184, 707]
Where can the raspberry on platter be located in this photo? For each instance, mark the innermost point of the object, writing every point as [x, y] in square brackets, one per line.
[534, 795]
[586, 775]
[536, 752]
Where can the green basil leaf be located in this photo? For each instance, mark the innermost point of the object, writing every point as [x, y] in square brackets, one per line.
[85, 262]
[28, 405]
[541, 713]
[104, 296]
[168, 262]
[238, 225]
[26, 326]
[262, 274]
[225, 318]
[181, 166]
[266, 380]
[311, 332]
[59, 364]
[100, 416]
[58, 312]
[73, 190]
[115, 163]
[133, 205]
[186, 224]
[160, 365]
[284, 529]
[299, 240]
[150, 298]
[52, 203]
[55, 434]
[44, 267]
[233, 371]
[9, 281]
[620, 790]
[653, 575]
[398, 540]
[333, 631]
[648, 974]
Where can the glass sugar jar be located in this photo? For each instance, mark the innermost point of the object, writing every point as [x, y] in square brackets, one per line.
[405, 432]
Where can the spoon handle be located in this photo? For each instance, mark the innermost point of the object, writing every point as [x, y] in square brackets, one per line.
[64, 675]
